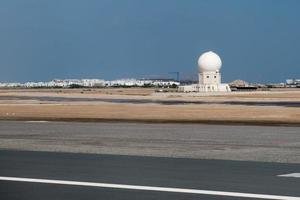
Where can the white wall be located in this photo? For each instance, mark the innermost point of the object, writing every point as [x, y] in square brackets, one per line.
[210, 78]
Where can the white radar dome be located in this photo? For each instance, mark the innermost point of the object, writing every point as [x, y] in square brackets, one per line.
[209, 61]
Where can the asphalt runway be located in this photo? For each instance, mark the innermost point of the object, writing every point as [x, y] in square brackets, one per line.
[244, 178]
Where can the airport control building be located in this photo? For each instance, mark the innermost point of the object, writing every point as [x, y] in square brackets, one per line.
[209, 65]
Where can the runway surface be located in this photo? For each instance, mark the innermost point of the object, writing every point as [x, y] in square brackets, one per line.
[252, 143]
[239, 177]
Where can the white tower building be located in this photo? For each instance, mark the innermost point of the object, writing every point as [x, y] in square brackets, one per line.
[209, 64]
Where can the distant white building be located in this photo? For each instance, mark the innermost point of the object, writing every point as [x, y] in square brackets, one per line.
[293, 81]
[209, 65]
[142, 83]
[66, 83]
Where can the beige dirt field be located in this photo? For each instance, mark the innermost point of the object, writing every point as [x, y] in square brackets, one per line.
[35, 109]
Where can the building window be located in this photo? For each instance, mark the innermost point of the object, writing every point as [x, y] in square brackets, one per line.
[207, 76]
[215, 76]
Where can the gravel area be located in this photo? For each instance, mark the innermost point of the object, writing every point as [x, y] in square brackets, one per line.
[252, 143]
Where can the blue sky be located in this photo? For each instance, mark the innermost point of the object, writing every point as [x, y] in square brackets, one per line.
[258, 40]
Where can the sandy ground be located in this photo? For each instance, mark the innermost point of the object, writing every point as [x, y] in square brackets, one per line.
[34, 109]
[152, 113]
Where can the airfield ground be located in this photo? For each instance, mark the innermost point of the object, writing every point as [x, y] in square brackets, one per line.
[281, 107]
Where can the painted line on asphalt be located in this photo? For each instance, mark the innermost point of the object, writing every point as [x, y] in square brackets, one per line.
[36, 121]
[293, 175]
[150, 188]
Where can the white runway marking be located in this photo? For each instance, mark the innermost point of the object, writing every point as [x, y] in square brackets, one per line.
[37, 121]
[151, 188]
[294, 175]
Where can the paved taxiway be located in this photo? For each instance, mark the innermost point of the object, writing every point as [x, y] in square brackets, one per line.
[214, 175]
